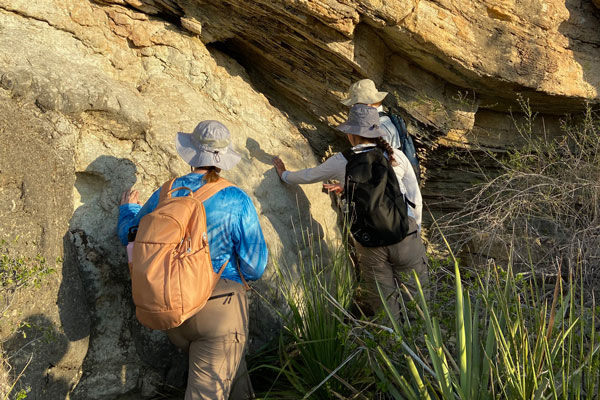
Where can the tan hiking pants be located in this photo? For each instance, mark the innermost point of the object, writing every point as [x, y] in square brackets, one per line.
[216, 339]
[391, 266]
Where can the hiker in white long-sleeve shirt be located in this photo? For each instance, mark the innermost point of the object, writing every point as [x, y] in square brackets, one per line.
[365, 92]
[391, 265]
[334, 168]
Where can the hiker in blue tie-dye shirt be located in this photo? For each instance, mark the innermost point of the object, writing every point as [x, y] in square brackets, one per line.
[232, 223]
[216, 336]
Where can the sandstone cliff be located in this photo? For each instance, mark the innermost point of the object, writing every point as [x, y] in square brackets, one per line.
[92, 93]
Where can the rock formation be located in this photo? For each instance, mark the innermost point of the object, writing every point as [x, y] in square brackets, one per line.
[92, 94]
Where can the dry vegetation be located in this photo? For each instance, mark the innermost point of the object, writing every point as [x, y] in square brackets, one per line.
[543, 209]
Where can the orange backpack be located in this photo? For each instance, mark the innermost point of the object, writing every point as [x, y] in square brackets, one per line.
[172, 276]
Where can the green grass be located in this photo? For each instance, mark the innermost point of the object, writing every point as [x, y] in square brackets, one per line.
[318, 358]
[507, 336]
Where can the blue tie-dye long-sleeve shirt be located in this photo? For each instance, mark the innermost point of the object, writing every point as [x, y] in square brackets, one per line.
[232, 223]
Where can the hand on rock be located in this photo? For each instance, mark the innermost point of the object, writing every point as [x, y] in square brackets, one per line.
[130, 196]
[333, 187]
[279, 166]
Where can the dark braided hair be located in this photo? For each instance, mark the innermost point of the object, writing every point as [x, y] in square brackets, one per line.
[385, 146]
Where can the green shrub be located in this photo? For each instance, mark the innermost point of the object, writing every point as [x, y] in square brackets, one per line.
[514, 342]
[17, 272]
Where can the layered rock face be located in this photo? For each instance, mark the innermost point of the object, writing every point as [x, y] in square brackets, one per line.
[93, 93]
[315, 49]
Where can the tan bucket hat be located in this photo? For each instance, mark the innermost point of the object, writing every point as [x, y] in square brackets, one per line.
[365, 92]
[209, 145]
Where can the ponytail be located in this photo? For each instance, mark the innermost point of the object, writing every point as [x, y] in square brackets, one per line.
[385, 146]
[211, 175]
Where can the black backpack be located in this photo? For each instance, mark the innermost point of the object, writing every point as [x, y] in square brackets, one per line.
[377, 209]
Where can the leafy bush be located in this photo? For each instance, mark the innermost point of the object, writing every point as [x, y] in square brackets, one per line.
[17, 272]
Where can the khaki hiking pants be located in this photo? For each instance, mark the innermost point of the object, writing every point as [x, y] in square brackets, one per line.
[216, 339]
[391, 266]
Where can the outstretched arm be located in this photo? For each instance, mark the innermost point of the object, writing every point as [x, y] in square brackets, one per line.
[333, 168]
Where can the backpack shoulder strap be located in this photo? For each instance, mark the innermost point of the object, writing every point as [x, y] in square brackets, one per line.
[398, 122]
[164, 190]
[206, 192]
[209, 189]
[347, 153]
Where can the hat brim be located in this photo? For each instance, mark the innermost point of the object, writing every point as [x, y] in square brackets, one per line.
[364, 99]
[373, 132]
[195, 157]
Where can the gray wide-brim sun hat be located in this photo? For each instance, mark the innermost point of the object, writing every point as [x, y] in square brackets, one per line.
[208, 145]
[365, 92]
[363, 120]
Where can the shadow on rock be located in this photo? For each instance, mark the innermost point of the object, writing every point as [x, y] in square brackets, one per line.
[123, 358]
[34, 352]
[289, 211]
[297, 221]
